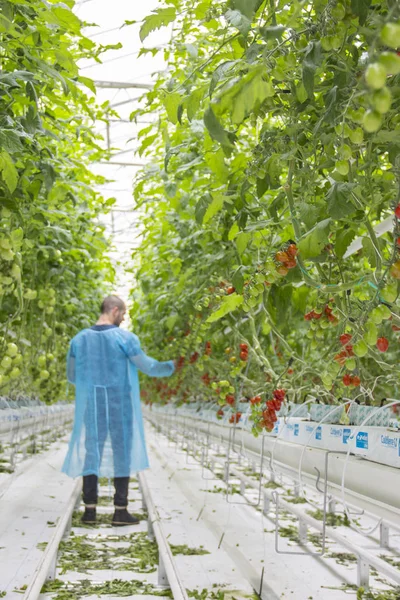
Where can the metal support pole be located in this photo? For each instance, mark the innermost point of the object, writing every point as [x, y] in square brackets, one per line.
[362, 573]
[302, 529]
[242, 488]
[162, 578]
[266, 505]
[331, 505]
[384, 536]
[51, 575]
[150, 530]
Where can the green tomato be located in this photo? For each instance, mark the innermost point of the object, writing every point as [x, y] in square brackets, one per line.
[7, 255]
[350, 364]
[342, 167]
[17, 360]
[314, 344]
[12, 349]
[41, 361]
[319, 334]
[326, 44]
[327, 380]
[357, 115]
[360, 349]
[14, 373]
[382, 100]
[345, 152]
[371, 333]
[50, 356]
[372, 121]
[376, 316]
[390, 35]
[30, 294]
[357, 136]
[391, 62]
[375, 76]
[44, 374]
[385, 312]
[338, 12]
[389, 292]
[336, 41]
[6, 363]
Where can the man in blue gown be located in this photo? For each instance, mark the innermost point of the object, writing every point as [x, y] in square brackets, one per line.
[108, 437]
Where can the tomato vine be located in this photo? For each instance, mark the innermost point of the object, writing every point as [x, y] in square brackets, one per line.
[53, 264]
[279, 125]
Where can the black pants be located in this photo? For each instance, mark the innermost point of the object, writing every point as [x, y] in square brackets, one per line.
[90, 490]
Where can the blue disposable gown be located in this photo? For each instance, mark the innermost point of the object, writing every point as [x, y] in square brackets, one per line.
[108, 437]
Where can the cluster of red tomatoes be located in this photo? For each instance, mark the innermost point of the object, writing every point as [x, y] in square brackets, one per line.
[235, 418]
[269, 417]
[287, 259]
[351, 380]
[315, 315]
[347, 351]
[244, 352]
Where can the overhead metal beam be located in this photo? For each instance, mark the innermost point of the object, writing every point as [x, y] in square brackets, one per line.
[121, 85]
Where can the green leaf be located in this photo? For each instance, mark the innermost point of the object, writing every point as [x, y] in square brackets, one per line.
[245, 95]
[272, 33]
[217, 132]
[315, 240]
[360, 8]
[89, 83]
[238, 280]
[214, 208]
[344, 237]
[228, 304]
[238, 20]
[241, 242]
[310, 214]
[216, 163]
[234, 230]
[160, 18]
[312, 59]
[201, 208]
[176, 266]
[220, 73]
[339, 200]
[8, 171]
[171, 321]
[17, 236]
[247, 7]
[171, 103]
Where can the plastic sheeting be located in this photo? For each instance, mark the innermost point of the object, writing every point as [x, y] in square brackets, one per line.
[108, 437]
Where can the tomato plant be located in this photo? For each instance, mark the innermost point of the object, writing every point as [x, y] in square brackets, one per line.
[278, 126]
[52, 249]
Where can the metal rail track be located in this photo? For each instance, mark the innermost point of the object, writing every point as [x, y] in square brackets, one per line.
[168, 576]
[196, 440]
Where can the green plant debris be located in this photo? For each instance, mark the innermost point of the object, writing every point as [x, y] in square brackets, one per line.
[116, 587]
[184, 549]
[332, 519]
[342, 558]
[296, 499]
[290, 532]
[2, 594]
[101, 519]
[42, 545]
[233, 489]
[272, 485]
[391, 560]
[77, 554]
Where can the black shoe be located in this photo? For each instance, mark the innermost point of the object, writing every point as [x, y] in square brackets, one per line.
[122, 517]
[89, 516]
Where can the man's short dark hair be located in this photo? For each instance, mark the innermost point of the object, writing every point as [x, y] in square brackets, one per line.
[112, 302]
